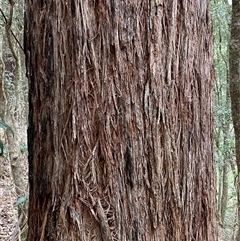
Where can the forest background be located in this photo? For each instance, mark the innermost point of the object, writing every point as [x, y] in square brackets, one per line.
[14, 112]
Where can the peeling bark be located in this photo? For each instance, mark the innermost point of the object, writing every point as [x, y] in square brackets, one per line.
[120, 120]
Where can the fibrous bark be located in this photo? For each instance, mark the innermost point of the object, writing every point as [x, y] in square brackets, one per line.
[120, 120]
[234, 72]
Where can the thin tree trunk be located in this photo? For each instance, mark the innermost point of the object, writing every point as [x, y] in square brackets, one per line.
[120, 120]
[224, 197]
[2, 78]
[226, 158]
[220, 187]
[13, 116]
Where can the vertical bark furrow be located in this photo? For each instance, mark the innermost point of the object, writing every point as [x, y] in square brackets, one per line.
[127, 123]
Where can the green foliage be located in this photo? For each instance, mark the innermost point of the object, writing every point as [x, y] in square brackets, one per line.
[21, 200]
[224, 134]
[23, 148]
[3, 125]
[1, 147]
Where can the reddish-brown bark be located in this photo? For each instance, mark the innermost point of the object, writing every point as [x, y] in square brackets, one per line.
[120, 123]
[234, 77]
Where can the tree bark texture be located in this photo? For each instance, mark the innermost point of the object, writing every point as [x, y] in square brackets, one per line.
[234, 74]
[120, 120]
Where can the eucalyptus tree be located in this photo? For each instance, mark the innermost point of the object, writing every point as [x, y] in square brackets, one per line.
[13, 92]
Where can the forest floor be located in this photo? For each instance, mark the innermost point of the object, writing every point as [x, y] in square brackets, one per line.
[8, 196]
[8, 213]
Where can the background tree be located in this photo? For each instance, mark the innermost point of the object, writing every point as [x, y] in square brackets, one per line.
[224, 135]
[120, 120]
[234, 63]
[13, 95]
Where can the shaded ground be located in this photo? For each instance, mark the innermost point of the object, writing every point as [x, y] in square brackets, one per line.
[8, 213]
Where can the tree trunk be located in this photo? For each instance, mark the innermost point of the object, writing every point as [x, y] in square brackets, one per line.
[2, 76]
[234, 67]
[224, 198]
[120, 120]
